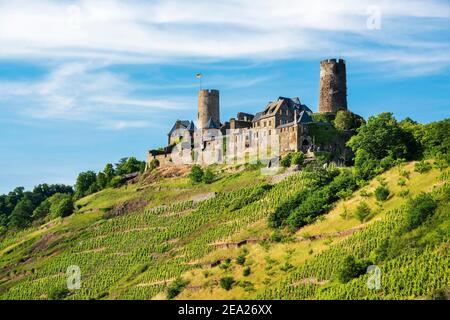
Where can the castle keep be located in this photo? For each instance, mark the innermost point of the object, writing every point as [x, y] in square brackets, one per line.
[286, 121]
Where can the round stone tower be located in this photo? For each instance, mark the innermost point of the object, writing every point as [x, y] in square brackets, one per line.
[333, 86]
[208, 107]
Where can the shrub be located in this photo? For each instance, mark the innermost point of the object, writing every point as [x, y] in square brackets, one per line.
[405, 174]
[422, 167]
[382, 193]
[58, 294]
[240, 259]
[350, 269]
[401, 182]
[419, 209]
[175, 288]
[115, 182]
[196, 174]
[208, 176]
[246, 272]
[298, 158]
[61, 205]
[362, 211]
[286, 160]
[227, 283]
[404, 193]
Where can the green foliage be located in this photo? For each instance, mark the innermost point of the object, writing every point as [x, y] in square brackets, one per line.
[86, 181]
[174, 289]
[153, 164]
[362, 211]
[298, 158]
[346, 120]
[59, 293]
[327, 117]
[227, 283]
[422, 167]
[435, 139]
[42, 210]
[196, 174]
[115, 182]
[240, 259]
[246, 271]
[285, 161]
[323, 134]
[129, 165]
[61, 205]
[419, 209]
[208, 176]
[350, 269]
[21, 215]
[382, 193]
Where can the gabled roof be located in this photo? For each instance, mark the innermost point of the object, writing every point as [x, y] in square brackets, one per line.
[304, 118]
[179, 124]
[210, 124]
[191, 127]
[273, 107]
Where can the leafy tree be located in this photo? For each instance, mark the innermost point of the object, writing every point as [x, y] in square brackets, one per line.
[115, 182]
[129, 165]
[419, 209]
[286, 160]
[21, 215]
[298, 158]
[346, 120]
[109, 172]
[102, 180]
[381, 137]
[196, 174]
[351, 269]
[61, 205]
[84, 182]
[226, 283]
[435, 138]
[208, 176]
[362, 211]
[42, 210]
[382, 193]
[175, 288]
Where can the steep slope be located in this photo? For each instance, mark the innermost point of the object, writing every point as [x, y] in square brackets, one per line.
[185, 230]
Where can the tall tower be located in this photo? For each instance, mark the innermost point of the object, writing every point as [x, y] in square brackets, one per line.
[333, 86]
[208, 107]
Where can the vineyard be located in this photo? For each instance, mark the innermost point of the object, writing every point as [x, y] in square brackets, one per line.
[137, 255]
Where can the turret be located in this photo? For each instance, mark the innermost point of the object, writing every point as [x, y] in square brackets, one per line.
[208, 107]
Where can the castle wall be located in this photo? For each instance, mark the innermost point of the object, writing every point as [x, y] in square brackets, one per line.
[208, 107]
[333, 86]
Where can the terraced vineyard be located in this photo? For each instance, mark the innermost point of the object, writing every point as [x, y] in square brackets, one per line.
[138, 254]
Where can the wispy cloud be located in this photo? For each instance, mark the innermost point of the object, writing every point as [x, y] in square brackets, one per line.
[139, 31]
[82, 92]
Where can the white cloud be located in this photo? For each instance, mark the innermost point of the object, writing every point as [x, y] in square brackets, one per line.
[138, 31]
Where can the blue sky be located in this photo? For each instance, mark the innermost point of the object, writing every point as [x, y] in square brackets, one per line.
[84, 83]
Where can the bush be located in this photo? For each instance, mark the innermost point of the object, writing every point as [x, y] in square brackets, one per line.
[419, 209]
[227, 283]
[196, 174]
[351, 269]
[208, 176]
[297, 158]
[286, 160]
[115, 182]
[240, 259]
[422, 167]
[175, 288]
[61, 205]
[404, 193]
[246, 272]
[58, 294]
[362, 211]
[382, 193]
[401, 182]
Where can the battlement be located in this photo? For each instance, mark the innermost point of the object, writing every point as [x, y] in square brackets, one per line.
[332, 61]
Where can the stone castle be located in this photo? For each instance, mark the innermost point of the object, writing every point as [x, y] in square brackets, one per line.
[286, 122]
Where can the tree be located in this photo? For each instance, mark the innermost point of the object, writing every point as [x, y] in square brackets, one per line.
[129, 165]
[102, 180]
[346, 120]
[226, 283]
[61, 205]
[42, 210]
[84, 181]
[196, 174]
[350, 269]
[109, 172]
[362, 211]
[382, 193]
[21, 215]
[208, 176]
[382, 136]
[286, 160]
[298, 158]
[419, 209]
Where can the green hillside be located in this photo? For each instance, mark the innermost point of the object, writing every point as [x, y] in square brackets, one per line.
[139, 254]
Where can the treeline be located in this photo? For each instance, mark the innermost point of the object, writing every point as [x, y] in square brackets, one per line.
[20, 209]
[379, 144]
